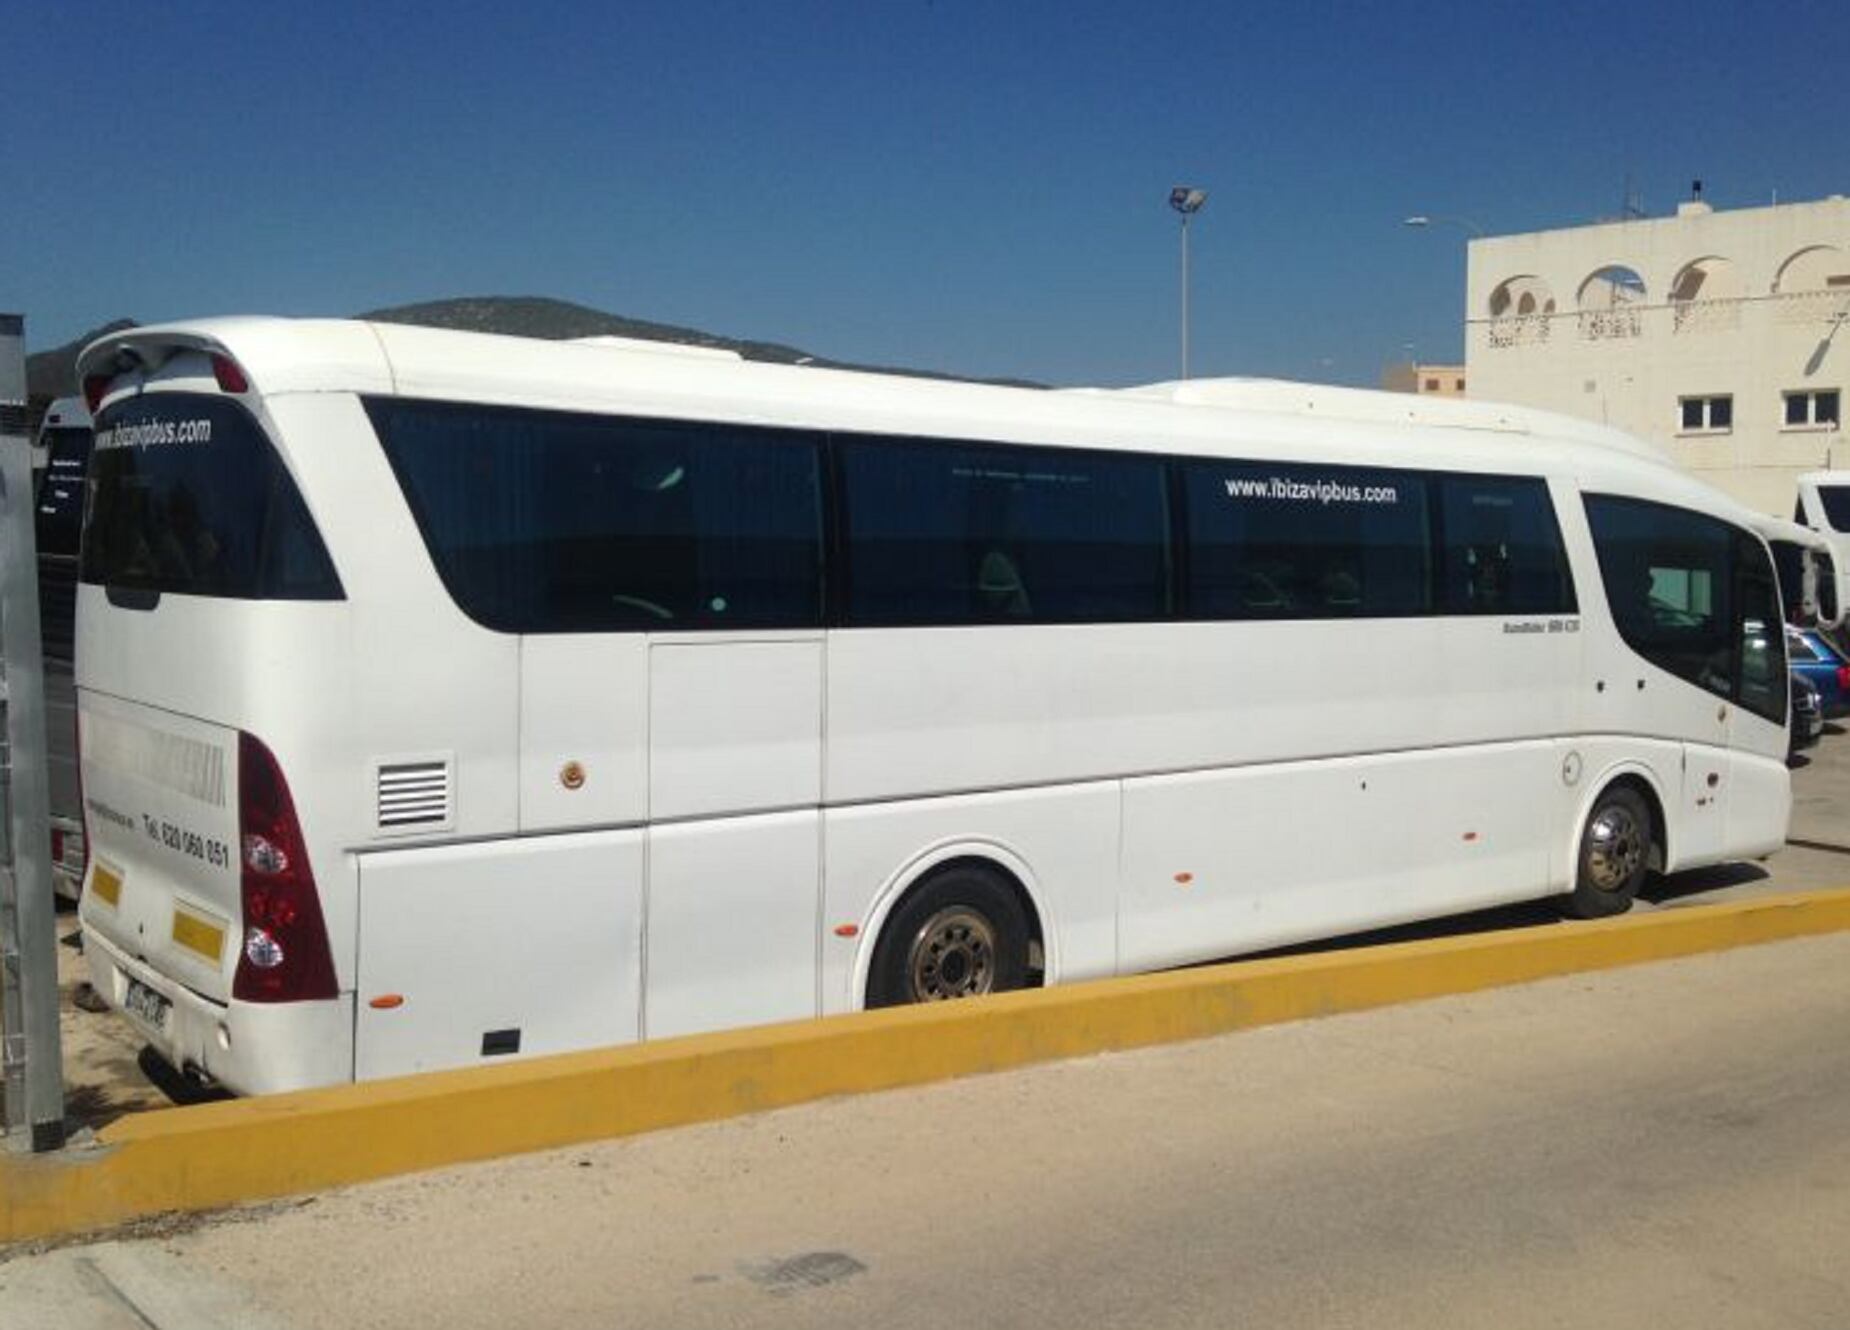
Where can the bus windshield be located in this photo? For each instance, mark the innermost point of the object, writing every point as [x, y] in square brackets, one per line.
[1836, 500]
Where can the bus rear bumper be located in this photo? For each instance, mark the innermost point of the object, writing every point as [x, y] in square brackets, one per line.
[247, 1047]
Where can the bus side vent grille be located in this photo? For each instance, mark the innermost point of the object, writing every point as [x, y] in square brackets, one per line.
[414, 796]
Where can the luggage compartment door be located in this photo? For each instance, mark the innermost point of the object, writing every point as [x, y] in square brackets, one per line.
[478, 953]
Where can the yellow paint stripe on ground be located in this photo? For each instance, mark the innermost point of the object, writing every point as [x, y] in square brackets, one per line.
[215, 1155]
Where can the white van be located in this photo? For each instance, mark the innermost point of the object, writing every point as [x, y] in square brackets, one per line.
[449, 697]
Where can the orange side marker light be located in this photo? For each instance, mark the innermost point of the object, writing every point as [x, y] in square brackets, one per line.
[387, 1001]
[847, 930]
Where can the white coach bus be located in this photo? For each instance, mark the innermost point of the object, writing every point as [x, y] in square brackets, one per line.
[1807, 568]
[1823, 504]
[449, 697]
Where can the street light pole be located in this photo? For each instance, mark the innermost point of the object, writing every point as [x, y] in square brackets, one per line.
[1422, 221]
[1186, 200]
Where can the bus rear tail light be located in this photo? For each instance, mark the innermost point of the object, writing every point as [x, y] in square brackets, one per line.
[285, 957]
[229, 376]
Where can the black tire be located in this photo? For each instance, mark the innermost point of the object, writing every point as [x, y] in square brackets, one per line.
[960, 933]
[1615, 853]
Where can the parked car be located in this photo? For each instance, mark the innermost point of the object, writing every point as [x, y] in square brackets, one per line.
[1827, 669]
[1807, 714]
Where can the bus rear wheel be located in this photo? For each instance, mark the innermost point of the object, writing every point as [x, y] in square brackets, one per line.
[960, 933]
[1615, 854]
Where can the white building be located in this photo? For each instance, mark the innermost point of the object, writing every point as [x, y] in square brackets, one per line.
[1717, 335]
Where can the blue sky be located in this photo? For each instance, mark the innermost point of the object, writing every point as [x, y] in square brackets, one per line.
[978, 188]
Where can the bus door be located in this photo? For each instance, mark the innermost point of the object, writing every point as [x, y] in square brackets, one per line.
[710, 747]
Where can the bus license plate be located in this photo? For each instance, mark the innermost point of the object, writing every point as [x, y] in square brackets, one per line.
[149, 1006]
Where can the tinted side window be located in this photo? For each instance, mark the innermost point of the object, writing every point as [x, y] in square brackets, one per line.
[1759, 632]
[1694, 596]
[1827, 585]
[541, 522]
[61, 490]
[1503, 551]
[1288, 541]
[1789, 563]
[187, 495]
[960, 533]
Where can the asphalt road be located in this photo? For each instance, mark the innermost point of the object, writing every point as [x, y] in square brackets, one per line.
[1668, 1144]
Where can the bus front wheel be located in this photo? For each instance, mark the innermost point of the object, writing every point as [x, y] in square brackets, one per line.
[960, 933]
[1615, 853]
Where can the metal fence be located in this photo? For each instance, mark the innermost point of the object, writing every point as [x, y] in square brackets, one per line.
[31, 1057]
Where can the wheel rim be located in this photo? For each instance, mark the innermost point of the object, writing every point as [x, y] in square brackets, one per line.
[953, 956]
[1615, 848]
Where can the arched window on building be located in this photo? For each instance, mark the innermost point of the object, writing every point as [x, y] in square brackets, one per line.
[1705, 296]
[1519, 308]
[1812, 286]
[1611, 302]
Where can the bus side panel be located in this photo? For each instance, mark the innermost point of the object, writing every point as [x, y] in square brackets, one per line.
[983, 708]
[732, 935]
[1760, 809]
[1222, 862]
[584, 730]
[411, 676]
[1061, 842]
[487, 951]
[734, 726]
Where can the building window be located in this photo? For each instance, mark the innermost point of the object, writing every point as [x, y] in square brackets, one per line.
[1813, 409]
[1432, 385]
[1458, 385]
[1707, 415]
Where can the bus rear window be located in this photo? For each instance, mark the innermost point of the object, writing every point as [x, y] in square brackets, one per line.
[188, 496]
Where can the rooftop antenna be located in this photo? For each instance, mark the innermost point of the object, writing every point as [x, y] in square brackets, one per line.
[1633, 205]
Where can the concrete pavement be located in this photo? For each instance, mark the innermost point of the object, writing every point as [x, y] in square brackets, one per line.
[1670, 1142]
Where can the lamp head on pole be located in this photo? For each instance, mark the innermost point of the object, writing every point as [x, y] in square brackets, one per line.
[1187, 200]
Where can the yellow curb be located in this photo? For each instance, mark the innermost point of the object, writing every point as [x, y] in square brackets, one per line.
[222, 1154]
